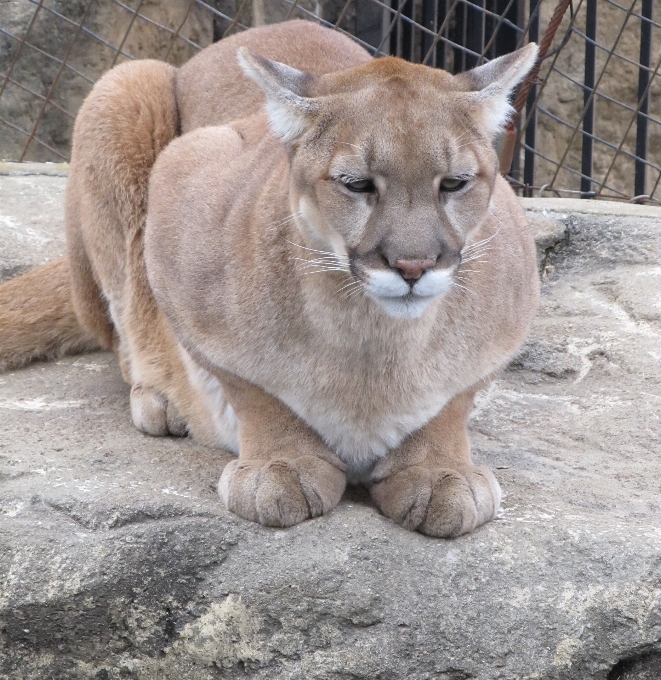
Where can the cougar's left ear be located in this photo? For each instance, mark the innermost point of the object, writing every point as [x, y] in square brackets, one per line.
[493, 84]
[290, 111]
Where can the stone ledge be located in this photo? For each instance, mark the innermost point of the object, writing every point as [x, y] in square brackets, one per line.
[590, 206]
[52, 169]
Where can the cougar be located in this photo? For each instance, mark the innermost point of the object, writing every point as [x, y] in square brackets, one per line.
[303, 255]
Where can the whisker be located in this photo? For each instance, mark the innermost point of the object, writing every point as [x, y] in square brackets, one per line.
[326, 258]
[472, 258]
[480, 249]
[477, 244]
[325, 269]
[502, 224]
[463, 134]
[321, 252]
[350, 294]
[325, 266]
[329, 264]
[476, 253]
[458, 285]
[355, 146]
[284, 220]
[353, 293]
[351, 283]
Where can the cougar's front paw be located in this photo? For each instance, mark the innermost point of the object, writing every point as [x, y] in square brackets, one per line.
[439, 501]
[281, 492]
[153, 414]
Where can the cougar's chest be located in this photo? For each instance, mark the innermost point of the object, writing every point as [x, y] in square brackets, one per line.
[362, 389]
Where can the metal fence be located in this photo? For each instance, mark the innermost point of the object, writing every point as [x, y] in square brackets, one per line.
[590, 117]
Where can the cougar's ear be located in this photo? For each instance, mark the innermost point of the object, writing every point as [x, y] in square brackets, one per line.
[493, 84]
[289, 110]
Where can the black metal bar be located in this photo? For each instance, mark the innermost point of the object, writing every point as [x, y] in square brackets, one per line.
[531, 113]
[474, 30]
[394, 30]
[406, 27]
[504, 41]
[441, 14]
[495, 31]
[429, 22]
[588, 87]
[458, 37]
[643, 97]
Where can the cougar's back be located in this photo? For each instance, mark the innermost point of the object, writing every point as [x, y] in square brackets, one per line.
[211, 88]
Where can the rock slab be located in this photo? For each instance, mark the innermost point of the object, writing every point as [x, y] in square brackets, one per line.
[117, 559]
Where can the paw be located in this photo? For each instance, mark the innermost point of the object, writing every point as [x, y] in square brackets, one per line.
[153, 414]
[439, 501]
[283, 491]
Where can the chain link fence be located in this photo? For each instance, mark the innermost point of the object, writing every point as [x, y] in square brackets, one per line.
[590, 115]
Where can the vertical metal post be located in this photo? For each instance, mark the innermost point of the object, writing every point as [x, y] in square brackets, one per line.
[433, 17]
[458, 36]
[505, 37]
[407, 31]
[531, 113]
[429, 22]
[643, 96]
[393, 48]
[474, 30]
[588, 87]
[442, 13]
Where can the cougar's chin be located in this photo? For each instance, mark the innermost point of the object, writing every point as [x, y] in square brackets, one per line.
[406, 307]
[403, 301]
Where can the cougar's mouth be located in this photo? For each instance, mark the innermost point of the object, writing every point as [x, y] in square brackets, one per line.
[402, 299]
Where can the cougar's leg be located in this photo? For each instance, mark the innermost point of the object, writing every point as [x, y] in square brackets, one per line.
[429, 482]
[285, 473]
[128, 118]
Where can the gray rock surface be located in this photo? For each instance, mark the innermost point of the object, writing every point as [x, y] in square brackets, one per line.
[118, 561]
[31, 215]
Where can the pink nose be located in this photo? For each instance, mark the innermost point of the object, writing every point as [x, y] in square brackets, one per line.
[413, 269]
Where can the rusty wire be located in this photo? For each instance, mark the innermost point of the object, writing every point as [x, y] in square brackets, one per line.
[175, 35]
[55, 81]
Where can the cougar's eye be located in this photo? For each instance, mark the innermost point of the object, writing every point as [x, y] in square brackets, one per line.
[359, 186]
[452, 183]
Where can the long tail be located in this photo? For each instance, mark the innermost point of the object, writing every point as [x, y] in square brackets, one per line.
[37, 319]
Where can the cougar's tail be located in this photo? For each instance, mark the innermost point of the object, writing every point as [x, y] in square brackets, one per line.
[37, 319]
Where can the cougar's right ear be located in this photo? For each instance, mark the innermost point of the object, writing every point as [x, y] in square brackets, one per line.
[492, 84]
[289, 110]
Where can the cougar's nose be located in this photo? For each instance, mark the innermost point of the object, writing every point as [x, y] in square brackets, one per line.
[412, 269]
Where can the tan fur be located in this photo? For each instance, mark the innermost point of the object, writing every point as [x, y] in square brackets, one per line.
[30, 329]
[256, 301]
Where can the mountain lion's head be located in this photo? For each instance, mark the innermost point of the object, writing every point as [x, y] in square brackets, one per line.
[392, 166]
